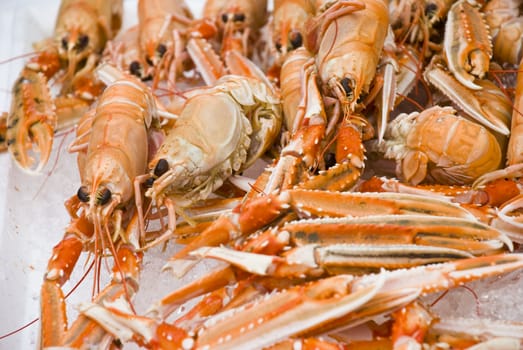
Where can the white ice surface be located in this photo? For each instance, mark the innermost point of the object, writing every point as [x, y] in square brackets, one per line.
[32, 216]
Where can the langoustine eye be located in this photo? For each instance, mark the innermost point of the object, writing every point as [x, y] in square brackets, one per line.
[345, 83]
[83, 194]
[161, 167]
[161, 49]
[296, 40]
[238, 17]
[82, 42]
[104, 196]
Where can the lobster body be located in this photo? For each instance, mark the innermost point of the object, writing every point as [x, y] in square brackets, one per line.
[439, 144]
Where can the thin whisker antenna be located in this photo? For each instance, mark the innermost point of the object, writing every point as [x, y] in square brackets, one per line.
[84, 276]
[33, 321]
[118, 266]
[97, 256]
[257, 189]
[55, 163]
[18, 57]
[19, 329]
[412, 101]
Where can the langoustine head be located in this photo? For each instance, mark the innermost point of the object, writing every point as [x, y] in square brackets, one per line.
[83, 28]
[350, 38]
[117, 149]
[220, 131]
[440, 145]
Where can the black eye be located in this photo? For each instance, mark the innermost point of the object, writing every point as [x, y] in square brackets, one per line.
[118, 343]
[83, 194]
[135, 68]
[161, 49]
[330, 160]
[224, 18]
[149, 61]
[161, 167]
[296, 40]
[238, 17]
[278, 46]
[64, 42]
[104, 196]
[345, 83]
[149, 182]
[431, 9]
[82, 42]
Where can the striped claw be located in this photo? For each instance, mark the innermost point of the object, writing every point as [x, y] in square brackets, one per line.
[487, 332]
[488, 106]
[256, 325]
[467, 43]
[31, 122]
[35, 117]
[433, 278]
[258, 212]
[321, 306]
[456, 233]
[342, 204]
[316, 260]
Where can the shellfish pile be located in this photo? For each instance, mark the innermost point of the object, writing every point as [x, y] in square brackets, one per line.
[297, 140]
